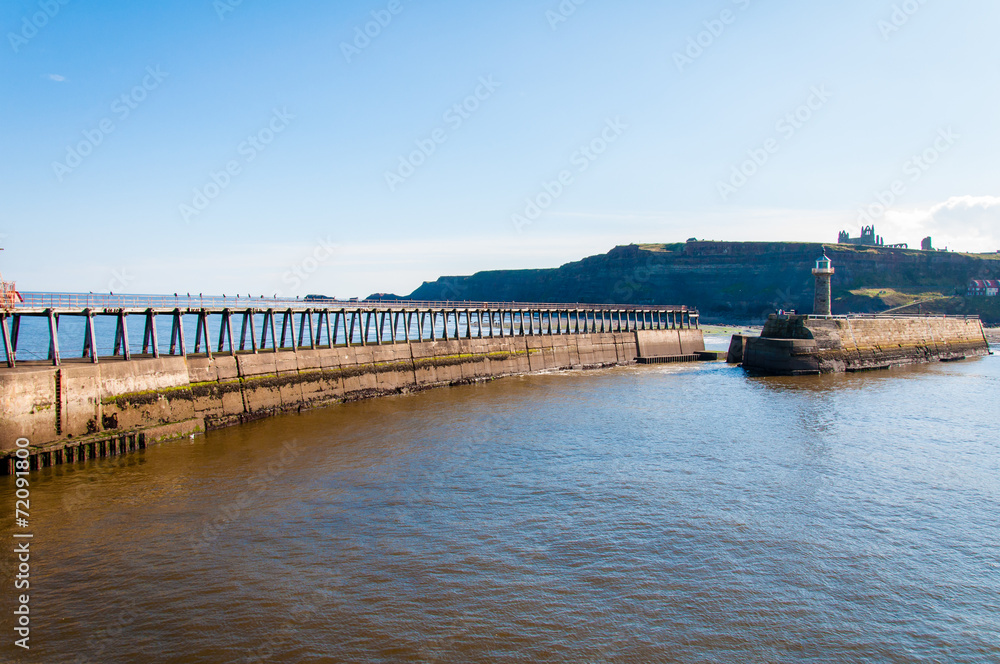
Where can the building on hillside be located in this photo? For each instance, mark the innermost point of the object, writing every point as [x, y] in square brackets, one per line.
[984, 287]
[926, 244]
[868, 239]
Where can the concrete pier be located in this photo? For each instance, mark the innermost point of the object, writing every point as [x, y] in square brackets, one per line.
[247, 362]
[799, 345]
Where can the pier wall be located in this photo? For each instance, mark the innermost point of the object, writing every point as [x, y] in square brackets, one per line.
[669, 343]
[63, 409]
[790, 345]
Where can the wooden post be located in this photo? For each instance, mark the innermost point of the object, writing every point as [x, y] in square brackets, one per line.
[287, 326]
[342, 319]
[222, 330]
[53, 337]
[8, 349]
[379, 326]
[177, 333]
[149, 334]
[199, 330]
[263, 328]
[253, 331]
[89, 338]
[334, 332]
[226, 330]
[269, 325]
[329, 330]
[121, 336]
[15, 330]
[243, 332]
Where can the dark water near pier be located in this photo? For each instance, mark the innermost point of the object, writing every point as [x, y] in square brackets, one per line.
[667, 513]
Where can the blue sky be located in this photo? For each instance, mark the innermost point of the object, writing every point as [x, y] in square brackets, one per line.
[225, 146]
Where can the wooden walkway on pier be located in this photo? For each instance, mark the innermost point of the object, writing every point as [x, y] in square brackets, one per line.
[251, 325]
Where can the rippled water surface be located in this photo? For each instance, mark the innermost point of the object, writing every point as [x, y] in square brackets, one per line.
[647, 514]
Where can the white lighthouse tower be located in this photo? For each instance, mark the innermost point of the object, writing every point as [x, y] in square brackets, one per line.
[824, 273]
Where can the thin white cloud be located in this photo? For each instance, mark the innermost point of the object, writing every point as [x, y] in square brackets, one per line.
[962, 223]
[57, 78]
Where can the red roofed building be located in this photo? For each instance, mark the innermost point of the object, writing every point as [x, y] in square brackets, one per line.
[987, 287]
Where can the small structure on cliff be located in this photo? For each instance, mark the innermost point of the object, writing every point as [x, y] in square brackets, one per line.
[824, 274]
[868, 239]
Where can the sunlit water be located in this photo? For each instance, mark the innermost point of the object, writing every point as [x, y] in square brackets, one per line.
[648, 514]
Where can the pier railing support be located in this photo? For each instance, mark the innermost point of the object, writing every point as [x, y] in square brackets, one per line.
[149, 334]
[365, 322]
[89, 338]
[7, 345]
[121, 336]
[177, 333]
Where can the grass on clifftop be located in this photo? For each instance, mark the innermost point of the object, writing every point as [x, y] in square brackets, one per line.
[897, 297]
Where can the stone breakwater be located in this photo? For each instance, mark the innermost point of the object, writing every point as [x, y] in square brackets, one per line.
[797, 345]
[80, 410]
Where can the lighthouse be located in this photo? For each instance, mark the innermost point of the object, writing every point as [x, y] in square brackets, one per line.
[823, 272]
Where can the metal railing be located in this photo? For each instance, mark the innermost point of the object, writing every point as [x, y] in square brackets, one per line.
[880, 316]
[186, 301]
[238, 323]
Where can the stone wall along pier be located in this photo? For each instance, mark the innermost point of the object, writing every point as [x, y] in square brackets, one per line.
[138, 395]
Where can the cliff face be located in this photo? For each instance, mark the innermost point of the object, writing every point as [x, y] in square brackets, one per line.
[724, 279]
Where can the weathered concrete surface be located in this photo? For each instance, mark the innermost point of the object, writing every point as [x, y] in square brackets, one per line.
[29, 406]
[72, 406]
[804, 345]
[737, 346]
[666, 343]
